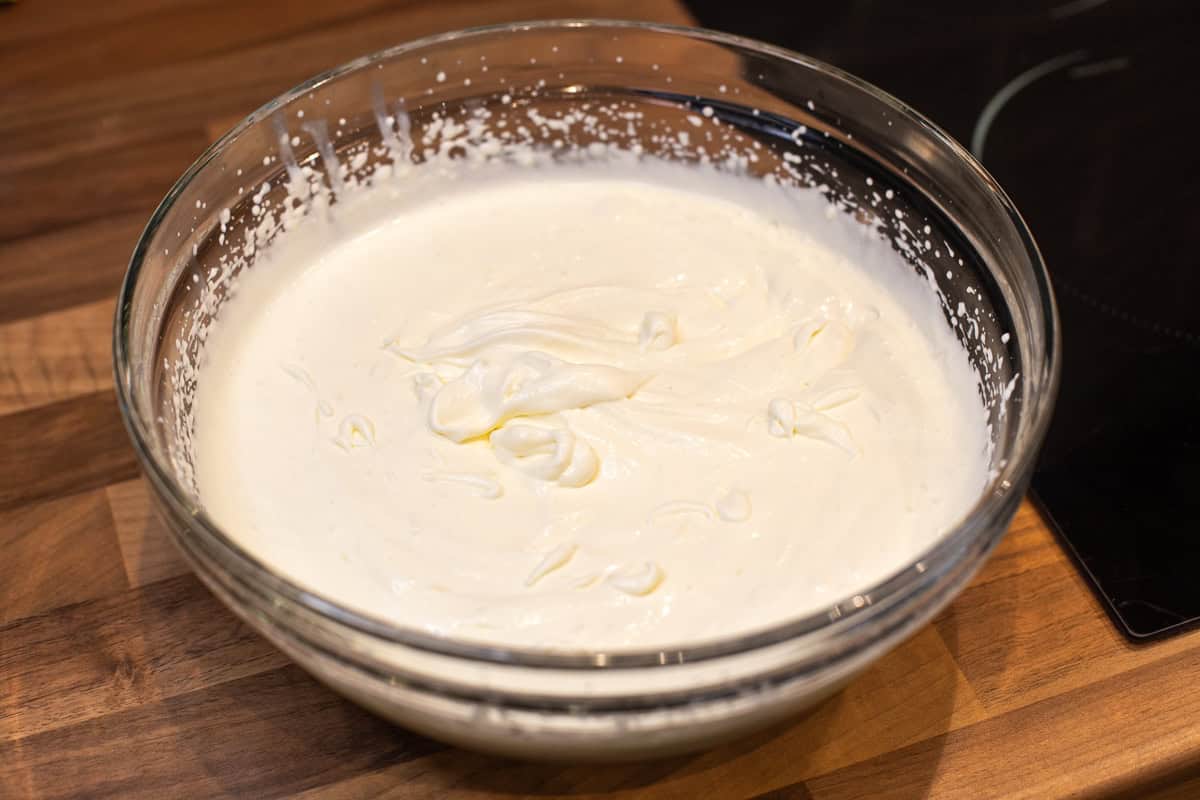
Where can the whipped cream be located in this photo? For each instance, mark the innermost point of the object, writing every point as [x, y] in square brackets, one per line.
[586, 406]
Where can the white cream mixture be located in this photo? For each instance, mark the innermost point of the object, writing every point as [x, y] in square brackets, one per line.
[586, 407]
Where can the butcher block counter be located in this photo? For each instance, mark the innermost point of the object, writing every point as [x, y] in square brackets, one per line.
[121, 676]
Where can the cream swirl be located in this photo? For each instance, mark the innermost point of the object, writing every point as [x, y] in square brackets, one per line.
[493, 391]
[548, 454]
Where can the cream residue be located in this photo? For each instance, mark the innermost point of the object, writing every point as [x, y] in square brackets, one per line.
[586, 406]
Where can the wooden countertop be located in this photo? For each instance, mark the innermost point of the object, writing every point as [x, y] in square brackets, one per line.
[120, 676]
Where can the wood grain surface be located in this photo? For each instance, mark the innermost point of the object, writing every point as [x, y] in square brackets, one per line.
[121, 676]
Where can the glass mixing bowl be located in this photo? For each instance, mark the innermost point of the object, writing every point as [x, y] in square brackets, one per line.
[777, 113]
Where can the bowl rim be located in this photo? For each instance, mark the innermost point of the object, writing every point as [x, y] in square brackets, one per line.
[846, 615]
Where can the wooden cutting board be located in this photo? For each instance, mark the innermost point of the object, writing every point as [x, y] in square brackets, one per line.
[120, 676]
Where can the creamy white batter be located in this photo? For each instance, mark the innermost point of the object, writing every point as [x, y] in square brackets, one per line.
[586, 407]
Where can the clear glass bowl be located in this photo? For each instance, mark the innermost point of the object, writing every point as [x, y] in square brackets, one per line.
[807, 123]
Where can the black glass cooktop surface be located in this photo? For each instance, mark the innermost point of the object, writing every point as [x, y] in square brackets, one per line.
[1082, 109]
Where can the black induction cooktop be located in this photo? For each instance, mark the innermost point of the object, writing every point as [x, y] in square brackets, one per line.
[1082, 109]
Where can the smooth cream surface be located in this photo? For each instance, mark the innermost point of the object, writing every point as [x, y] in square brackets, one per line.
[586, 407]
